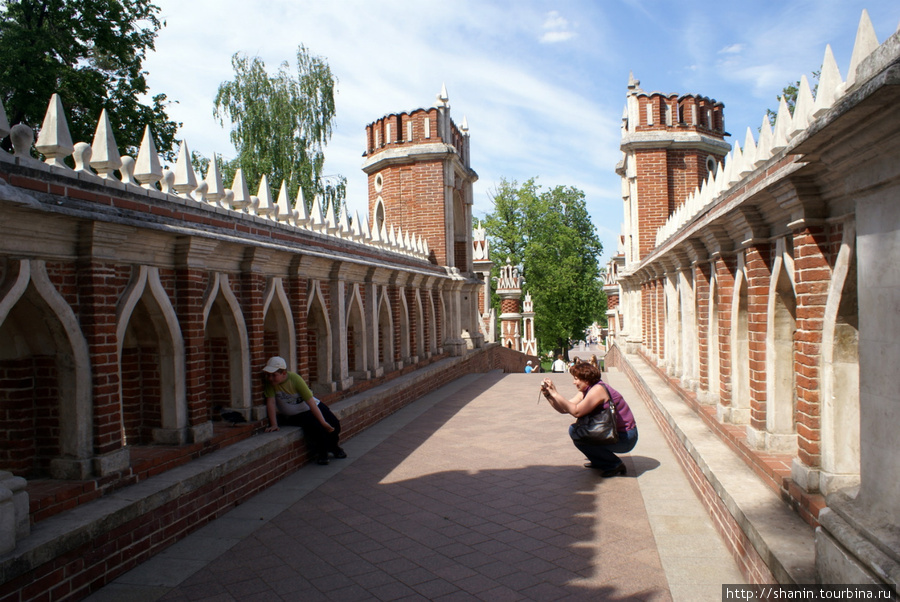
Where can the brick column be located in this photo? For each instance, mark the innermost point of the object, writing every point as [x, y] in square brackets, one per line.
[191, 283]
[253, 287]
[725, 270]
[701, 294]
[98, 297]
[812, 274]
[757, 261]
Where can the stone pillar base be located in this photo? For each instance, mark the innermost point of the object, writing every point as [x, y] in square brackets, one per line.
[14, 521]
[170, 436]
[849, 550]
[730, 415]
[70, 469]
[112, 462]
[201, 432]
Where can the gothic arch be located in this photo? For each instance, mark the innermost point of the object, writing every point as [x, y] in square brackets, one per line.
[226, 336]
[712, 335]
[147, 328]
[419, 338]
[37, 321]
[356, 334]
[403, 313]
[781, 392]
[840, 383]
[431, 329]
[385, 347]
[740, 347]
[279, 335]
[319, 341]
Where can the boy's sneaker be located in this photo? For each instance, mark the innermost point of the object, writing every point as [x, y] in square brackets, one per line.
[339, 453]
[322, 459]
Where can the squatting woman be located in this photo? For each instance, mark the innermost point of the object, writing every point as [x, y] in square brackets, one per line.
[592, 396]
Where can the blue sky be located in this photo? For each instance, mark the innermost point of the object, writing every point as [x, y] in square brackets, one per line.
[542, 84]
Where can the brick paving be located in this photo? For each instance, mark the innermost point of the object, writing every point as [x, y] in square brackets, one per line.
[481, 497]
[475, 493]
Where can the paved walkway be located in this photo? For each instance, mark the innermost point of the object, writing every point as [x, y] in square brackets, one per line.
[472, 492]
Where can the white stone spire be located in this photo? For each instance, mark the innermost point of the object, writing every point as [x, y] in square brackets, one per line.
[105, 156]
[147, 169]
[54, 140]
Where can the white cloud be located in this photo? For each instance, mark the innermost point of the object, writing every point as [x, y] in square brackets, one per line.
[559, 30]
[732, 49]
[552, 37]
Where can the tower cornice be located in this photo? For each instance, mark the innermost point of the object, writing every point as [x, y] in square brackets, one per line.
[673, 140]
[403, 154]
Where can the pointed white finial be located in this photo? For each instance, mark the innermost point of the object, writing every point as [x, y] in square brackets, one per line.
[802, 108]
[442, 98]
[464, 128]
[356, 227]
[782, 127]
[105, 156]
[147, 169]
[283, 211]
[301, 214]
[215, 189]
[364, 230]
[830, 84]
[264, 194]
[54, 140]
[331, 224]
[241, 191]
[344, 226]
[764, 147]
[749, 154]
[866, 43]
[317, 216]
[185, 179]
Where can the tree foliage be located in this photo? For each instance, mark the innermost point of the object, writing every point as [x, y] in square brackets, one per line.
[90, 52]
[550, 234]
[281, 123]
[789, 93]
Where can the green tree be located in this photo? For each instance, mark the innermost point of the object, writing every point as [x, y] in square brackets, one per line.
[89, 52]
[550, 234]
[789, 93]
[281, 123]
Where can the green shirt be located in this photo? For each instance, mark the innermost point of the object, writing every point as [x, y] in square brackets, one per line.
[291, 395]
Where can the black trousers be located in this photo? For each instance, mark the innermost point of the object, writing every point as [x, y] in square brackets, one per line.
[318, 440]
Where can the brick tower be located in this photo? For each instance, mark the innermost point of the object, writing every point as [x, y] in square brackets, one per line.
[509, 288]
[671, 144]
[420, 180]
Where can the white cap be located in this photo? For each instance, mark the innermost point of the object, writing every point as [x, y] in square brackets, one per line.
[275, 364]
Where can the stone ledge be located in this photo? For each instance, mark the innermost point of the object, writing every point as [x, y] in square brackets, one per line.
[784, 542]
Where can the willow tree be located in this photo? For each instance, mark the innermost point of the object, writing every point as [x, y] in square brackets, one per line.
[281, 123]
[550, 234]
[90, 52]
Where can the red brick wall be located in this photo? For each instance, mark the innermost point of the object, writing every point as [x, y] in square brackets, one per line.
[758, 264]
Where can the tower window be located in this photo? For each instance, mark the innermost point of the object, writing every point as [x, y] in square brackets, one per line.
[379, 182]
[712, 166]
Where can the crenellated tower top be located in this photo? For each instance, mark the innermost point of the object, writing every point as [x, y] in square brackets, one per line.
[420, 179]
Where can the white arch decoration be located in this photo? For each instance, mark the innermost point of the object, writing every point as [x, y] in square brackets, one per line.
[275, 292]
[76, 415]
[239, 371]
[173, 402]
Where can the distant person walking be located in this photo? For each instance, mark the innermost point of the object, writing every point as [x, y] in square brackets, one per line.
[559, 365]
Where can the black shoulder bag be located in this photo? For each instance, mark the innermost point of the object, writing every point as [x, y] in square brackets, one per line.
[599, 427]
